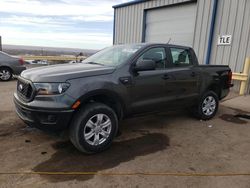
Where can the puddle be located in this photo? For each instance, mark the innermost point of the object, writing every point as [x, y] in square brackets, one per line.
[232, 118]
[68, 159]
[3, 134]
[142, 132]
[243, 116]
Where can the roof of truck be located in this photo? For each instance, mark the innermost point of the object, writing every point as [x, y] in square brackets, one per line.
[151, 44]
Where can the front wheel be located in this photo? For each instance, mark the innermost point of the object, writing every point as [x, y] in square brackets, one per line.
[207, 106]
[93, 128]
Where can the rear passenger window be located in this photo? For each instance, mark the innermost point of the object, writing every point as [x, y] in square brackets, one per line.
[181, 57]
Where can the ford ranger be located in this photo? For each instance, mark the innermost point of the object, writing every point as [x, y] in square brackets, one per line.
[90, 98]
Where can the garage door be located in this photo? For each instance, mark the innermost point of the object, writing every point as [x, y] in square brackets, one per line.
[175, 22]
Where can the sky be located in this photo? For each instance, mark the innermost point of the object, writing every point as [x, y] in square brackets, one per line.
[58, 23]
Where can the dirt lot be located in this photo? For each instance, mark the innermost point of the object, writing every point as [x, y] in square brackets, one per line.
[163, 143]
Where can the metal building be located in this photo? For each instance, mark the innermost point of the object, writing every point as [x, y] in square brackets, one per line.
[218, 30]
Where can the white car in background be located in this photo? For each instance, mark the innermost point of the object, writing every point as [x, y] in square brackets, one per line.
[37, 62]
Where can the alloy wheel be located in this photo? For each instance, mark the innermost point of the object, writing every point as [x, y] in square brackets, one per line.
[208, 105]
[5, 74]
[97, 129]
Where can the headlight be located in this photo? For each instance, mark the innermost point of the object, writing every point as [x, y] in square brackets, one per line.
[51, 88]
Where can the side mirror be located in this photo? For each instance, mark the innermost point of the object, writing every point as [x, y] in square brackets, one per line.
[145, 65]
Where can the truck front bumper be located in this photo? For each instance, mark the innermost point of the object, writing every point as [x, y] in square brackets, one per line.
[45, 119]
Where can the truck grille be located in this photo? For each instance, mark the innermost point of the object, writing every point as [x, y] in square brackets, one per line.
[24, 89]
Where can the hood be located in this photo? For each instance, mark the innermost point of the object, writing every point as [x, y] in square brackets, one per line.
[63, 72]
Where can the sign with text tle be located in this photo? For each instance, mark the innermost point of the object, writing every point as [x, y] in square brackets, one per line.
[224, 39]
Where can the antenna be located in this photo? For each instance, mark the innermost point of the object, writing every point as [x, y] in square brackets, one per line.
[1, 48]
[169, 40]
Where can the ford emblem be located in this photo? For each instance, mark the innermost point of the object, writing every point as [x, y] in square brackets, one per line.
[20, 87]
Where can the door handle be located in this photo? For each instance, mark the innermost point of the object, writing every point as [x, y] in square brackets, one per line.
[193, 74]
[165, 77]
[125, 80]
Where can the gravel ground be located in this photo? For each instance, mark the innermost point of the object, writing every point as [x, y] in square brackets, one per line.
[171, 142]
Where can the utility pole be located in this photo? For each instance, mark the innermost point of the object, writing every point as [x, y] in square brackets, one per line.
[1, 48]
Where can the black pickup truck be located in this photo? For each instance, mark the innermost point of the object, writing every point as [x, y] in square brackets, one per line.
[90, 98]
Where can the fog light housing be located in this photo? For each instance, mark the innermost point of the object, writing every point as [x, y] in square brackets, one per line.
[51, 118]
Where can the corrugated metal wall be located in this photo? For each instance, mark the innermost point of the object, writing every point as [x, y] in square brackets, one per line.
[202, 26]
[233, 17]
[129, 20]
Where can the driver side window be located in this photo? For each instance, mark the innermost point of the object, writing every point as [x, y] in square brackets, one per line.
[158, 55]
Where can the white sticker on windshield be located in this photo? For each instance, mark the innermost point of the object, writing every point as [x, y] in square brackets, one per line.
[129, 50]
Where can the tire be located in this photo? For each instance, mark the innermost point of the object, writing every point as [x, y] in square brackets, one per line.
[207, 106]
[5, 74]
[98, 120]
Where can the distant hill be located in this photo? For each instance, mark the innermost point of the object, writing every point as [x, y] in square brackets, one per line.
[40, 50]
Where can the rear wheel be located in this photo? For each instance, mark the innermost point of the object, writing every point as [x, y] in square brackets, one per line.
[207, 106]
[93, 128]
[5, 74]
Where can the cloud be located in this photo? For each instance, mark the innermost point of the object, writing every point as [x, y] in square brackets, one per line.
[32, 21]
[93, 40]
[57, 8]
[98, 18]
[62, 23]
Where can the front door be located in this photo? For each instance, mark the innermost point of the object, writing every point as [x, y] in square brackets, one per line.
[148, 91]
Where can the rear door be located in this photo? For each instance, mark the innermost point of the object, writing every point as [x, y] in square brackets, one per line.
[184, 75]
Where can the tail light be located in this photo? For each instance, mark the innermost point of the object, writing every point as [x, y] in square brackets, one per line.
[21, 61]
[229, 80]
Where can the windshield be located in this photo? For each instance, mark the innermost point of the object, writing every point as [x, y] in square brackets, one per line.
[113, 56]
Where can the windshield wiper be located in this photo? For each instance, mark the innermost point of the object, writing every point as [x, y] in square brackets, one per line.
[94, 63]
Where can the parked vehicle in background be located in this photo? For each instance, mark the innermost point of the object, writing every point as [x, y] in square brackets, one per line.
[37, 62]
[42, 62]
[73, 61]
[10, 66]
[90, 98]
